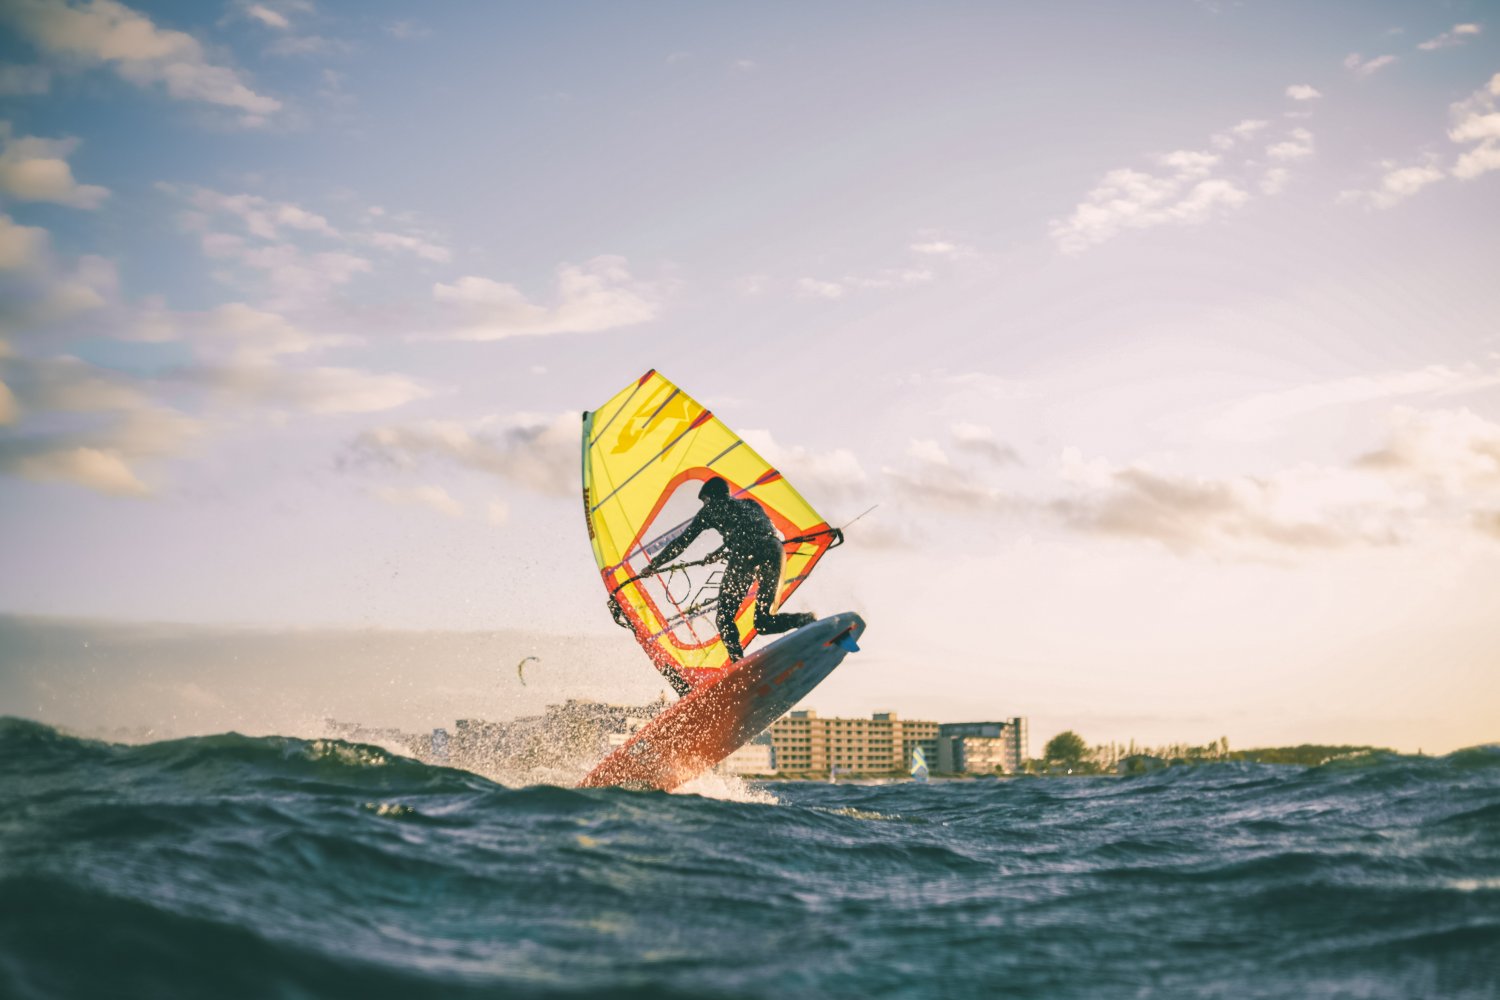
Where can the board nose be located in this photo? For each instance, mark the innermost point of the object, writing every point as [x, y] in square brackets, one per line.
[846, 628]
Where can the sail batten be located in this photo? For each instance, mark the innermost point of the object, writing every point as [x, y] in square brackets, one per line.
[643, 464]
[619, 409]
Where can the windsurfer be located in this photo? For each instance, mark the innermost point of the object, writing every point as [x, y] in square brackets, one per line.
[755, 556]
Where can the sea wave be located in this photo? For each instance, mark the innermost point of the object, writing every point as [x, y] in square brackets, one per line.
[235, 866]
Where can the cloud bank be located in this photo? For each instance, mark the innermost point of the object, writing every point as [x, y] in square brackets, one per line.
[107, 33]
[596, 296]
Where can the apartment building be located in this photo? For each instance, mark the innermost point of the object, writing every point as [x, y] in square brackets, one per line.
[807, 745]
[983, 747]
[757, 757]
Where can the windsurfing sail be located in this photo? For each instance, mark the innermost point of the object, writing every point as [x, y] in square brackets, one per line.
[918, 764]
[646, 452]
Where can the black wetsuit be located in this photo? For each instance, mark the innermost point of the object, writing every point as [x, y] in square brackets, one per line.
[755, 557]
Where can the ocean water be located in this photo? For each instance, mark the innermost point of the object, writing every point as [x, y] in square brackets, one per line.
[230, 866]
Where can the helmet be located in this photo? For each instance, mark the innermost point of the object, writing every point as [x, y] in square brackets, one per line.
[714, 489]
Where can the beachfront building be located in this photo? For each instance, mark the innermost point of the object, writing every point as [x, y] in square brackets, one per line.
[983, 747]
[807, 745]
[882, 744]
[758, 757]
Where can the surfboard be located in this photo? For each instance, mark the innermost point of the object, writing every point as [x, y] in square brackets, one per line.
[718, 717]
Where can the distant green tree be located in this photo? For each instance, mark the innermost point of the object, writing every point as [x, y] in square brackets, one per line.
[1307, 754]
[1068, 749]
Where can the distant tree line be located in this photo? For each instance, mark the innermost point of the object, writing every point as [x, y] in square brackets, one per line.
[1068, 753]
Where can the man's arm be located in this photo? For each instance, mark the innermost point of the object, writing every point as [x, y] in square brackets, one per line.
[676, 546]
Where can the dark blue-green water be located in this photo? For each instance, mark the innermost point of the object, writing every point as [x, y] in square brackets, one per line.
[236, 867]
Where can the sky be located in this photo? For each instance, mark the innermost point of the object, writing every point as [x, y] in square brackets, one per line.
[1165, 336]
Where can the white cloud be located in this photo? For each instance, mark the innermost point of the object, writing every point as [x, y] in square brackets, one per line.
[294, 277]
[1397, 184]
[1274, 180]
[948, 489]
[33, 169]
[498, 512]
[105, 32]
[599, 295]
[432, 497]
[1487, 522]
[1297, 147]
[69, 385]
[242, 334]
[538, 452]
[411, 244]
[1456, 35]
[1186, 194]
[258, 233]
[1477, 161]
[1454, 454]
[933, 243]
[1361, 66]
[86, 426]
[1303, 92]
[21, 247]
[1261, 416]
[1477, 127]
[1305, 508]
[935, 480]
[1438, 472]
[38, 291]
[813, 288]
[1204, 198]
[980, 440]
[834, 476]
[930, 256]
[1190, 164]
[891, 278]
[69, 421]
[221, 245]
[104, 471]
[927, 451]
[1232, 135]
[1476, 120]
[259, 216]
[267, 16]
[942, 248]
[311, 390]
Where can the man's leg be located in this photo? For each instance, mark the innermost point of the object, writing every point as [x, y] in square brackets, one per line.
[768, 576]
[733, 587]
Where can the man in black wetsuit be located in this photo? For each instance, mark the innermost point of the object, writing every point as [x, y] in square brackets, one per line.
[755, 557]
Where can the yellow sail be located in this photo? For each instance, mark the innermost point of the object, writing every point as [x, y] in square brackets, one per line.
[646, 452]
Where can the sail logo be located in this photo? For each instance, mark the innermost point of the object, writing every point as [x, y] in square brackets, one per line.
[675, 415]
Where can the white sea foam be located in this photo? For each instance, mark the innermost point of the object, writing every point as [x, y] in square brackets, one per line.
[1474, 884]
[727, 788]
